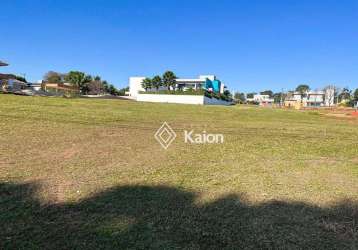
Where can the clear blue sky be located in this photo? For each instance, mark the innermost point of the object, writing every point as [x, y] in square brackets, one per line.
[250, 45]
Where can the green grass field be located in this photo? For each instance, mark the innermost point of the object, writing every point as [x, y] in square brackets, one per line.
[88, 174]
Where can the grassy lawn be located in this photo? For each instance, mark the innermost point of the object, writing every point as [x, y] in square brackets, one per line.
[88, 174]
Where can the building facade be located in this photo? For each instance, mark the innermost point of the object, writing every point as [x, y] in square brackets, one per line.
[208, 82]
[323, 98]
[262, 100]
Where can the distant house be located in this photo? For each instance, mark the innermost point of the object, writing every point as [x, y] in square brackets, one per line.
[310, 99]
[8, 82]
[60, 88]
[5, 76]
[35, 86]
[14, 85]
[209, 82]
[262, 100]
[201, 84]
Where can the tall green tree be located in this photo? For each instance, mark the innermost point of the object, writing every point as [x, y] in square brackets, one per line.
[147, 83]
[105, 86]
[267, 92]
[169, 79]
[227, 93]
[303, 88]
[53, 77]
[278, 97]
[78, 79]
[240, 97]
[157, 82]
[355, 95]
[345, 94]
[112, 90]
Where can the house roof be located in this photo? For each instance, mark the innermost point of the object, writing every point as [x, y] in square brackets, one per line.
[3, 63]
[7, 76]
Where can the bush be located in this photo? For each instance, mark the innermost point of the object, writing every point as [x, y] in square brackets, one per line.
[218, 96]
[253, 103]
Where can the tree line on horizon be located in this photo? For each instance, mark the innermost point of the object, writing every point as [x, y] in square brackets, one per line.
[87, 84]
[339, 94]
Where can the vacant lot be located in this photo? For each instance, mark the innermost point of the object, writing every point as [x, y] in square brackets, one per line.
[80, 173]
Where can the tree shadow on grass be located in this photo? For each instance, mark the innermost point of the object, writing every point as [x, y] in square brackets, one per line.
[160, 217]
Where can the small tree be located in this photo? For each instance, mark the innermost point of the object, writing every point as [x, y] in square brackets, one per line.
[94, 87]
[226, 95]
[112, 90]
[169, 79]
[78, 79]
[345, 95]
[147, 83]
[303, 88]
[267, 92]
[53, 77]
[157, 82]
[240, 97]
[105, 86]
[355, 95]
[250, 95]
[278, 97]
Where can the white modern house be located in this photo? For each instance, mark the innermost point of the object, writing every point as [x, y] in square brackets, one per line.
[319, 98]
[263, 100]
[207, 82]
[135, 84]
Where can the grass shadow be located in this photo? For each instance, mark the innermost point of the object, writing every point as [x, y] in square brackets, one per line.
[161, 217]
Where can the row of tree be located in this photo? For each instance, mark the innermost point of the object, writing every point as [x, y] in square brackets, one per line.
[167, 80]
[86, 83]
[339, 95]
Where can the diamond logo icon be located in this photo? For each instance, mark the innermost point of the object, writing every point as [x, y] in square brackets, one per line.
[165, 135]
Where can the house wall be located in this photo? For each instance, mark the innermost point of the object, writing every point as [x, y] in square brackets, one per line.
[135, 85]
[184, 99]
[181, 99]
[214, 101]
